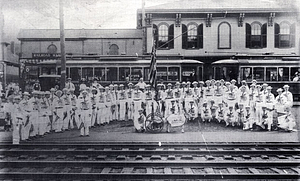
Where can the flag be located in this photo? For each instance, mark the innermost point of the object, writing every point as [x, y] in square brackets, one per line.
[152, 76]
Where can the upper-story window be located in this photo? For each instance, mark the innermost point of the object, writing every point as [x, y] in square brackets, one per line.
[164, 36]
[284, 35]
[224, 36]
[52, 49]
[114, 49]
[256, 35]
[192, 36]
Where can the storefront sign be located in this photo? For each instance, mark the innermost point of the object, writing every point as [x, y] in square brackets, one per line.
[187, 73]
[45, 55]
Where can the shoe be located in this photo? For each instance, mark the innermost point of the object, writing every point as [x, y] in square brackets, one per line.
[81, 136]
[182, 131]
[87, 135]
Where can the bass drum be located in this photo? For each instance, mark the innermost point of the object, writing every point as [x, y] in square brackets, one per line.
[154, 123]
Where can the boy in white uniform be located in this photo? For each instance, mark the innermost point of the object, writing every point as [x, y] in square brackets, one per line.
[85, 107]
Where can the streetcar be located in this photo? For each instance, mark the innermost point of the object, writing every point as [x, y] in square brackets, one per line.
[276, 72]
[116, 71]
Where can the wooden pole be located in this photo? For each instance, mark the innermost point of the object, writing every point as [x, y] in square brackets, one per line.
[62, 45]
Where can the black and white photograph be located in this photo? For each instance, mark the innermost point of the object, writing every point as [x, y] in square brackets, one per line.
[155, 90]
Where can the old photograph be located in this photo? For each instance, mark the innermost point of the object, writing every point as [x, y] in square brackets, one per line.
[149, 90]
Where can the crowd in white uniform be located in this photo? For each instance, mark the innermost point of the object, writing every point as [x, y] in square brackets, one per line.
[219, 101]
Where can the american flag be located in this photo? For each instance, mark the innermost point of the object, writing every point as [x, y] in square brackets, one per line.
[152, 75]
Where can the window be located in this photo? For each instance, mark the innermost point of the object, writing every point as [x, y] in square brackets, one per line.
[256, 35]
[111, 74]
[161, 74]
[146, 74]
[247, 74]
[295, 74]
[123, 73]
[187, 74]
[284, 35]
[271, 74]
[258, 73]
[283, 74]
[136, 73]
[173, 73]
[48, 71]
[114, 49]
[224, 36]
[52, 49]
[75, 73]
[192, 36]
[87, 73]
[100, 73]
[164, 36]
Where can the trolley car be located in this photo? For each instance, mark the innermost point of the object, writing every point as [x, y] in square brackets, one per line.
[274, 72]
[116, 71]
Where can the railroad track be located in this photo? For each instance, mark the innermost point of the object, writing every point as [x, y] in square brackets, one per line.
[150, 160]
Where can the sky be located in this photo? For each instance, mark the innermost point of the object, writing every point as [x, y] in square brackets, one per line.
[88, 14]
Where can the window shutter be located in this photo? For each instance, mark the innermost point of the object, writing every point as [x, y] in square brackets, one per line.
[248, 35]
[276, 34]
[292, 35]
[200, 36]
[155, 34]
[264, 35]
[184, 36]
[171, 36]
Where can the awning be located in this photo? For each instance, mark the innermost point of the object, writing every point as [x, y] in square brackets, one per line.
[38, 61]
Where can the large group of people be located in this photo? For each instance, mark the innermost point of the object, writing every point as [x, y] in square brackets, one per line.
[42, 112]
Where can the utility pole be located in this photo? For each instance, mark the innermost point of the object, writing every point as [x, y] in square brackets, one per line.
[144, 27]
[62, 45]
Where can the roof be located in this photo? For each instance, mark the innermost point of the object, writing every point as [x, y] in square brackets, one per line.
[80, 33]
[257, 61]
[225, 5]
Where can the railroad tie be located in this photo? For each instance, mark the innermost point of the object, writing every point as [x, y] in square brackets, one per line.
[127, 170]
[121, 157]
[254, 170]
[278, 171]
[265, 157]
[296, 156]
[281, 157]
[228, 157]
[106, 170]
[209, 157]
[101, 157]
[171, 157]
[81, 157]
[246, 157]
[187, 157]
[61, 157]
[149, 170]
[23, 157]
[187, 170]
[155, 157]
[42, 157]
[231, 171]
[66, 170]
[139, 157]
[167, 170]
[209, 170]
[86, 170]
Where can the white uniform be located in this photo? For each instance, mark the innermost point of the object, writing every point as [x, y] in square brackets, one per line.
[85, 113]
[94, 101]
[137, 105]
[18, 119]
[58, 117]
[122, 104]
[34, 116]
[44, 117]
